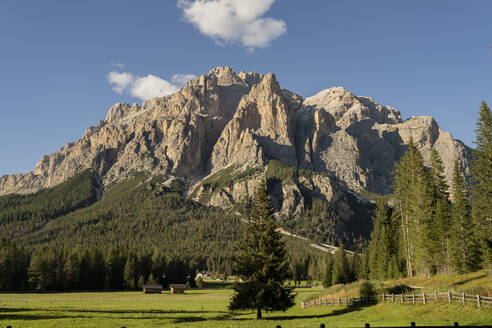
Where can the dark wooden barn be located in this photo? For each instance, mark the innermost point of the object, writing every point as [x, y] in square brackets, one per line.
[177, 288]
[152, 289]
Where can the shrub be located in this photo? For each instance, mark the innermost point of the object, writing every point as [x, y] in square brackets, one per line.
[367, 289]
[399, 289]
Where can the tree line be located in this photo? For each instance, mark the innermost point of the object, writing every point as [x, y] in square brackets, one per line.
[52, 269]
[49, 268]
[428, 227]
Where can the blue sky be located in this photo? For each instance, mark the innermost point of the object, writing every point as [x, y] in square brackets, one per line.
[422, 57]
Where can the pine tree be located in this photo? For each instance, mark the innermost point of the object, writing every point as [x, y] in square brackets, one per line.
[13, 266]
[328, 276]
[262, 262]
[152, 280]
[355, 266]
[141, 282]
[364, 271]
[97, 270]
[115, 264]
[411, 192]
[130, 272]
[482, 184]
[441, 220]
[72, 269]
[465, 257]
[380, 245]
[341, 269]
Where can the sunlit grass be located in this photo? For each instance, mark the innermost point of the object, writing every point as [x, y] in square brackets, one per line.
[208, 308]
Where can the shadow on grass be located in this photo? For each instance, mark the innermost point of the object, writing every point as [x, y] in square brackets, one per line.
[28, 317]
[459, 283]
[188, 319]
[348, 309]
[110, 311]
[58, 316]
[16, 314]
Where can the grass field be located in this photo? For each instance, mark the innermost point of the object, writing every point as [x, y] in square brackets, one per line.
[208, 308]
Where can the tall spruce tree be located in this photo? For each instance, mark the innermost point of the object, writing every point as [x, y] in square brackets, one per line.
[383, 250]
[482, 184]
[441, 220]
[411, 193]
[465, 256]
[327, 278]
[341, 268]
[130, 274]
[262, 262]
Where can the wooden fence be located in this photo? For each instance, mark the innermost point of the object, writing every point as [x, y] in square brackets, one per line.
[423, 298]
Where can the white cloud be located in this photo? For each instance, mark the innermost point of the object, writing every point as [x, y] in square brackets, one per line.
[181, 79]
[119, 65]
[230, 21]
[152, 86]
[147, 87]
[120, 81]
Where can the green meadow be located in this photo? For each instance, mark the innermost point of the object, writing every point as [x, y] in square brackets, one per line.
[208, 308]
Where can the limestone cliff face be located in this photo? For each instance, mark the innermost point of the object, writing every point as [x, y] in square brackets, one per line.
[246, 119]
[359, 140]
[263, 127]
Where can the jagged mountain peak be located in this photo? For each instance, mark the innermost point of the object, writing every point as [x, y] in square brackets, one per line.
[221, 119]
[348, 108]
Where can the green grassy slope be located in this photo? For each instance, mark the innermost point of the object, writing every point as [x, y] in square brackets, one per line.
[208, 308]
[479, 282]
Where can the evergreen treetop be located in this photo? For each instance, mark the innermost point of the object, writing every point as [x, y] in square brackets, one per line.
[262, 262]
[465, 257]
[482, 183]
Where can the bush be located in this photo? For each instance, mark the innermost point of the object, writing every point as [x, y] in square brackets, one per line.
[367, 289]
[399, 289]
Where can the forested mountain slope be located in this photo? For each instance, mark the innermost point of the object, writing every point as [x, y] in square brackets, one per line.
[141, 213]
[180, 171]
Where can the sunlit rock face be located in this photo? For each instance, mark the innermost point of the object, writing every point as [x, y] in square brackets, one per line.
[223, 118]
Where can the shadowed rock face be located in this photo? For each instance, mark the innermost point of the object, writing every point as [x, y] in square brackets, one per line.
[223, 118]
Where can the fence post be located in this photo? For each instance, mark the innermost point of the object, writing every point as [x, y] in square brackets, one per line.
[478, 301]
[392, 298]
[463, 298]
[449, 296]
[435, 296]
[402, 298]
[383, 298]
[413, 298]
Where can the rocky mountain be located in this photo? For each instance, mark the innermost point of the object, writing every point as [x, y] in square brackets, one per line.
[223, 131]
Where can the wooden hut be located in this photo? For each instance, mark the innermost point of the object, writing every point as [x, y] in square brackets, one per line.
[177, 288]
[152, 289]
